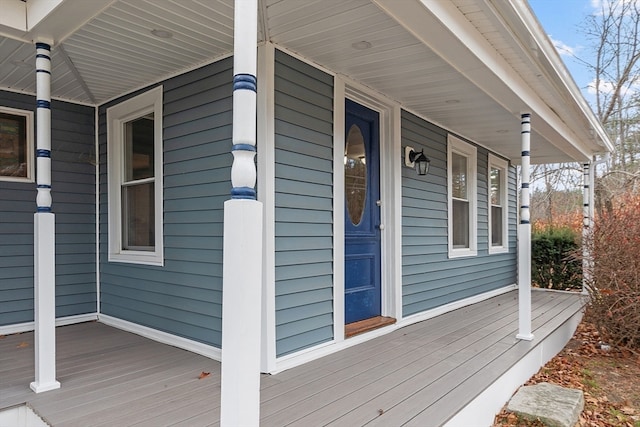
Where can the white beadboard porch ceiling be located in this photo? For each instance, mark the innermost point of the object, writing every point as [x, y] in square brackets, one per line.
[422, 65]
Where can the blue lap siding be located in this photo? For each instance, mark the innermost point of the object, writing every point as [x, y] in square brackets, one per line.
[73, 193]
[304, 205]
[183, 297]
[429, 278]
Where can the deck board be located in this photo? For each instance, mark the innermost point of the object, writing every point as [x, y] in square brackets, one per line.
[419, 374]
[442, 352]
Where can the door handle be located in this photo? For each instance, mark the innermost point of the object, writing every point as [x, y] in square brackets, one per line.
[378, 203]
[381, 227]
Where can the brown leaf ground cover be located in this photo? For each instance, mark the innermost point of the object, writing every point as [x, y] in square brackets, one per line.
[609, 377]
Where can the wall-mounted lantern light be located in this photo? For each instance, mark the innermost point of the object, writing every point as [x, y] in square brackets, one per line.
[416, 160]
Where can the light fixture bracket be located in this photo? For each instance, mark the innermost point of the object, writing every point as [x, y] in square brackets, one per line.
[416, 160]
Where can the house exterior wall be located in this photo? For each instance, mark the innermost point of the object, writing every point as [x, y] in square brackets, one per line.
[183, 297]
[304, 205]
[73, 193]
[429, 278]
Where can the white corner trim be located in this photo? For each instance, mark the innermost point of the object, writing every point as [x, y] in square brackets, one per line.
[62, 321]
[163, 337]
[482, 410]
[307, 355]
[96, 132]
[266, 195]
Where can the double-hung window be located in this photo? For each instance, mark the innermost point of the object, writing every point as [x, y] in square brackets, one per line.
[134, 151]
[462, 197]
[498, 212]
[16, 145]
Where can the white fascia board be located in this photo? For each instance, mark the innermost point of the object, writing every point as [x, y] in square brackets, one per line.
[441, 26]
[548, 51]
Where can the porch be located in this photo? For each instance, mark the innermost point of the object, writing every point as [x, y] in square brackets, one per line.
[421, 374]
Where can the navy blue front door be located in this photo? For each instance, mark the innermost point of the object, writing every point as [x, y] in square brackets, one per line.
[362, 213]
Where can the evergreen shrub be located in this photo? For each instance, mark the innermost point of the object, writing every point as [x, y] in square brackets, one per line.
[554, 264]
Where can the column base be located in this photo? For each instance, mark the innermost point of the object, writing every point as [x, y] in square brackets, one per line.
[525, 337]
[40, 388]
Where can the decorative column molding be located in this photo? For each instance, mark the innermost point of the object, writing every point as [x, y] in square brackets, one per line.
[43, 136]
[586, 225]
[243, 170]
[44, 234]
[524, 236]
[243, 239]
[525, 132]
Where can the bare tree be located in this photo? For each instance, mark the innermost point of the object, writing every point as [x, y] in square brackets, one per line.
[614, 32]
[555, 191]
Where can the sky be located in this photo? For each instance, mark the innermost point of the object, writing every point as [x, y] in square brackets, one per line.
[563, 21]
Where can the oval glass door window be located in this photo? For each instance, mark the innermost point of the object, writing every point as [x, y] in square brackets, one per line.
[355, 174]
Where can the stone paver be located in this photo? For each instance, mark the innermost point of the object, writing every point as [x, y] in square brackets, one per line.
[555, 406]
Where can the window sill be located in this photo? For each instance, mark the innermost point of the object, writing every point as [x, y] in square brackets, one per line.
[138, 258]
[462, 253]
[498, 250]
[17, 179]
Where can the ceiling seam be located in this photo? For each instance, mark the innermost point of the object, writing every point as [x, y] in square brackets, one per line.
[76, 73]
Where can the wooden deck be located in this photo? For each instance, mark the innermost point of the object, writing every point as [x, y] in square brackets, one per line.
[419, 375]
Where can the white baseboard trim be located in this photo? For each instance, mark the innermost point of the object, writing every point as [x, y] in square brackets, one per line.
[307, 355]
[163, 337]
[61, 321]
[438, 311]
[80, 318]
[483, 409]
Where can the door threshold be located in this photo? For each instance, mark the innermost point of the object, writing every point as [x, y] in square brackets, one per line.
[366, 325]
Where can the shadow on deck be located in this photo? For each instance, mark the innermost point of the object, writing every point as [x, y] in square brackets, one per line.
[457, 368]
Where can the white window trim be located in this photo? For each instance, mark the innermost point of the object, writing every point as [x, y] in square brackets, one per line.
[30, 145]
[148, 102]
[456, 145]
[502, 164]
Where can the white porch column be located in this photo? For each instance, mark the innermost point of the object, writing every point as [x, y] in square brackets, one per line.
[242, 268]
[44, 234]
[524, 238]
[586, 224]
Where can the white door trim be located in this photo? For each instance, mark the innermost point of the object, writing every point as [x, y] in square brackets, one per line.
[390, 195]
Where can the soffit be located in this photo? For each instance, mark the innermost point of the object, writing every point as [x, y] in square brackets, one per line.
[115, 53]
